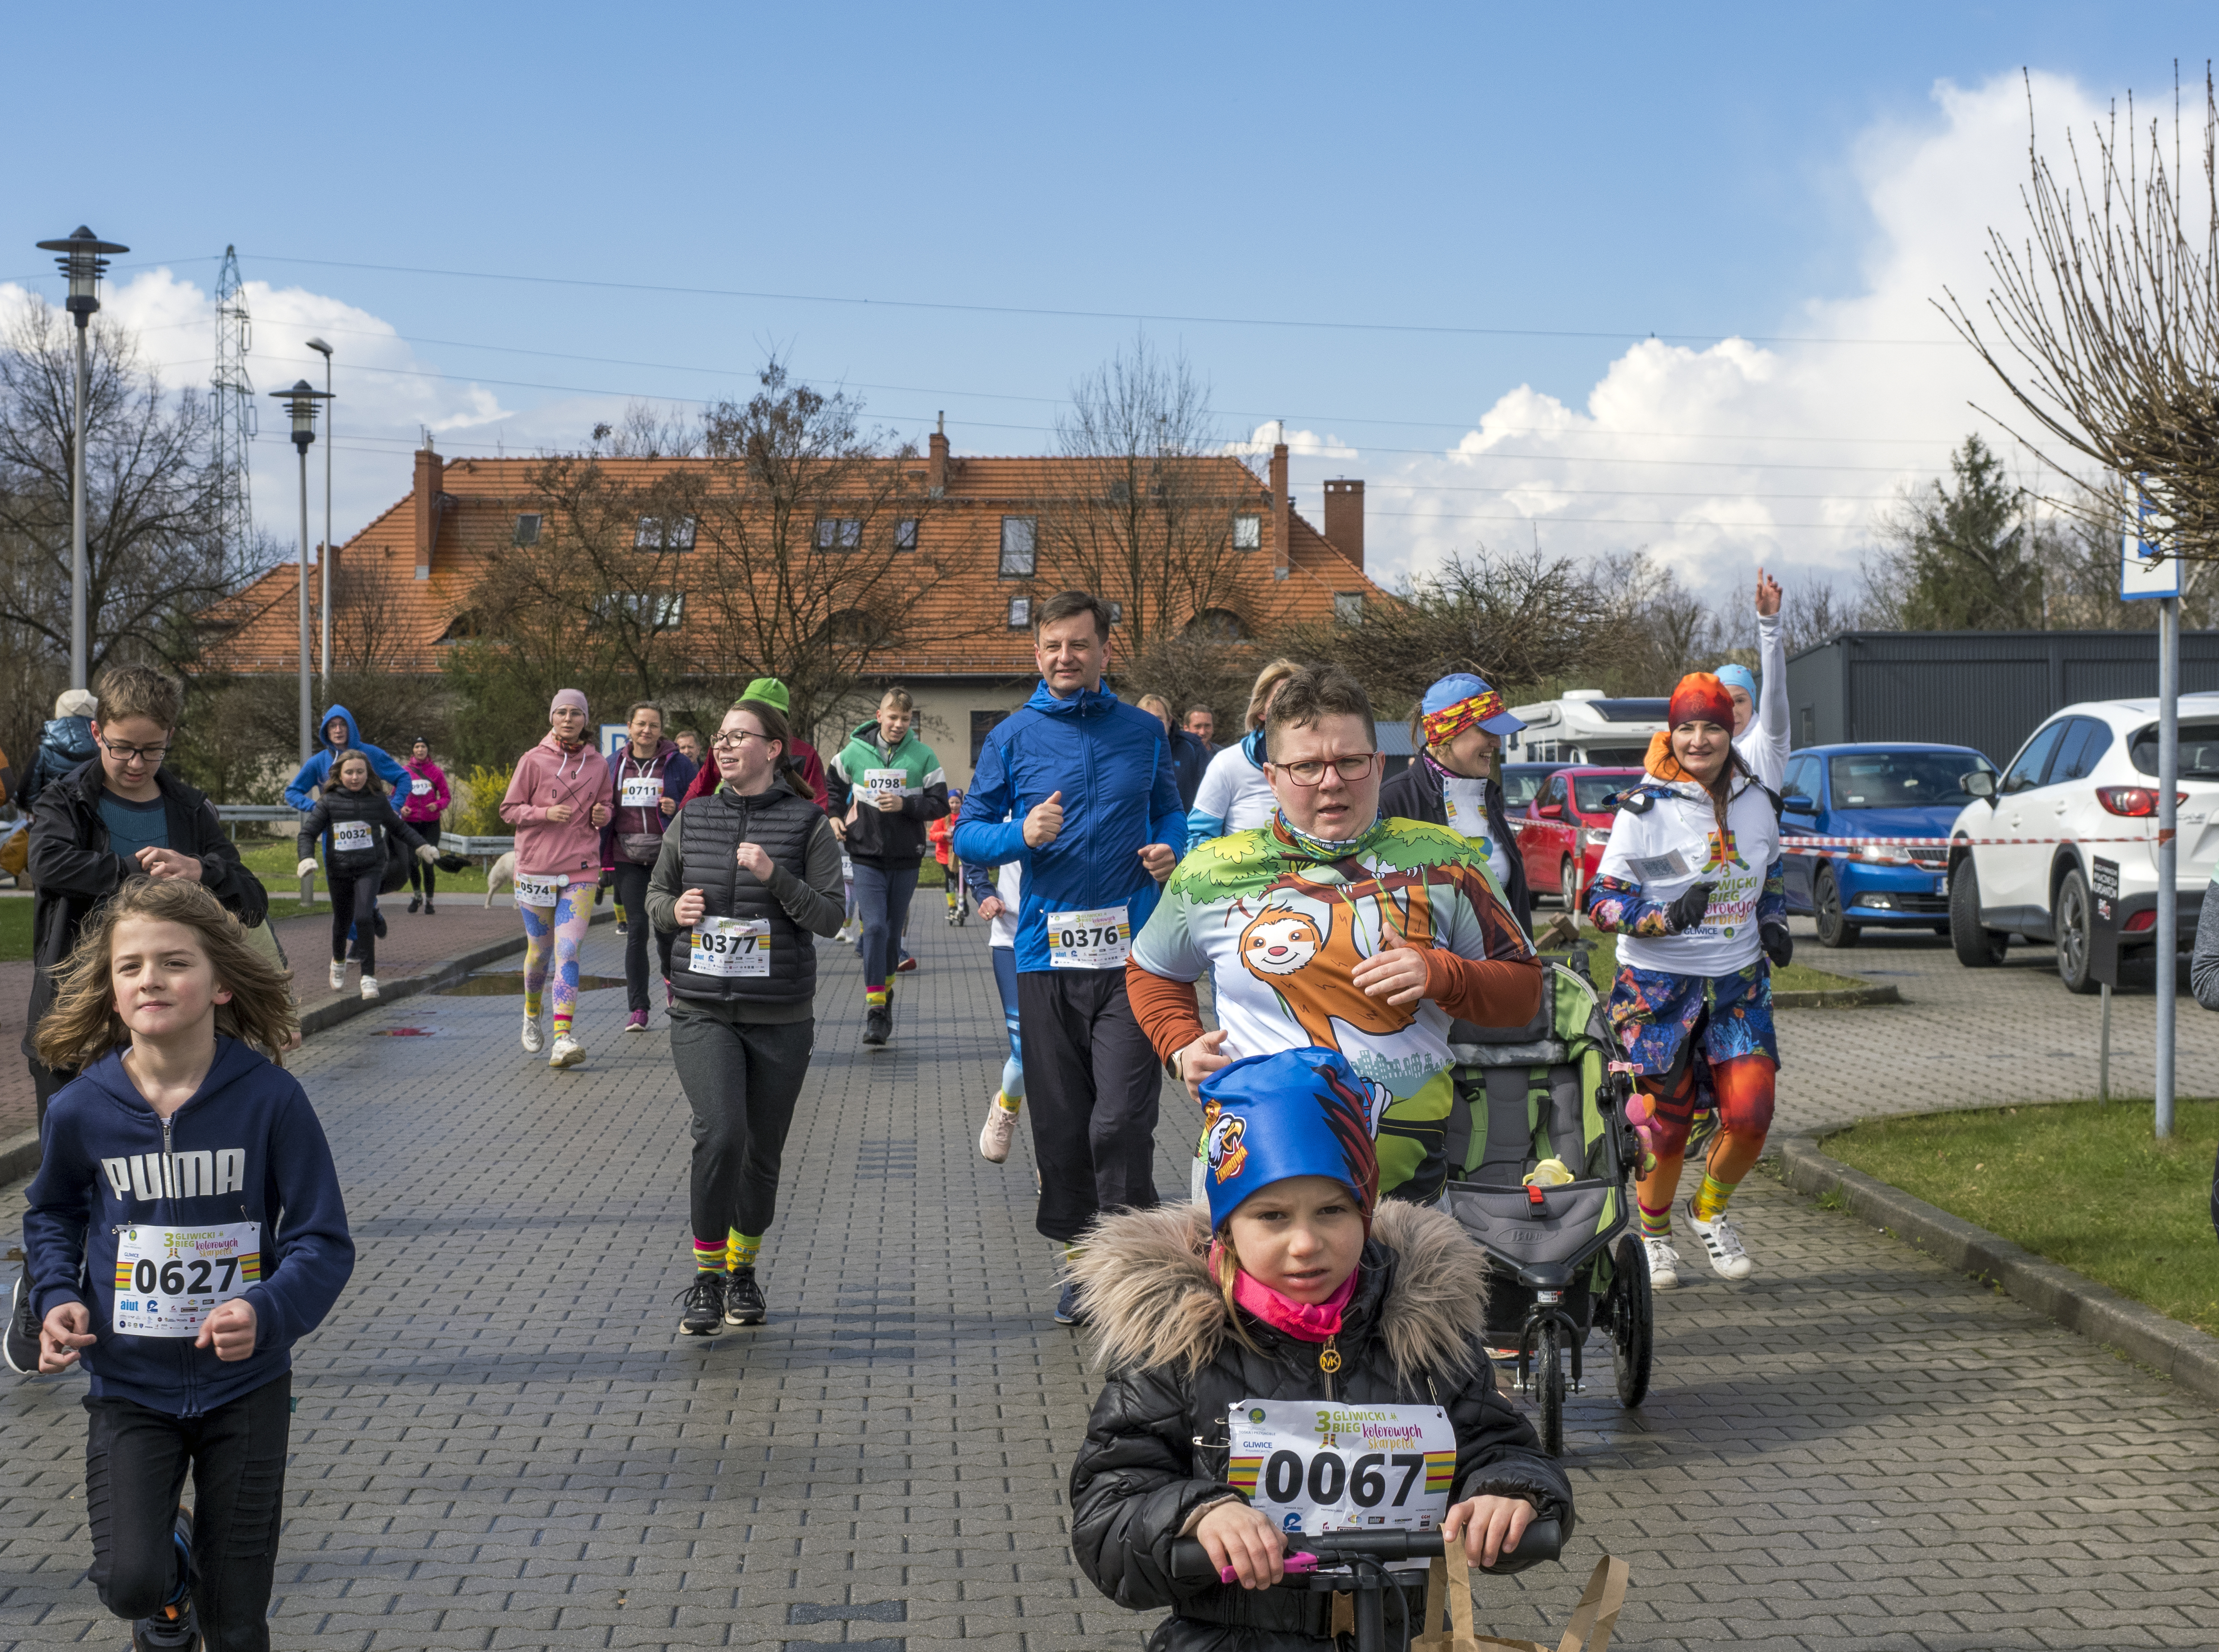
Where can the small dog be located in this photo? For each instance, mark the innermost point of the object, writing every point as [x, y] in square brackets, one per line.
[504, 872]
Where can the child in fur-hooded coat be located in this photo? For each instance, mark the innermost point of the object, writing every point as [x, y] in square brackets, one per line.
[1187, 1332]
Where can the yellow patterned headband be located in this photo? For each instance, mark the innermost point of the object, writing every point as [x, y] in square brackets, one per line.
[1451, 721]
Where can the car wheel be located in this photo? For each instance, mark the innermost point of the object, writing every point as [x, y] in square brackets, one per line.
[2075, 933]
[1834, 929]
[1976, 948]
[1568, 885]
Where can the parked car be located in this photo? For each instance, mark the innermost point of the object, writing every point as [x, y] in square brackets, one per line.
[1564, 828]
[2088, 774]
[1874, 790]
[1520, 781]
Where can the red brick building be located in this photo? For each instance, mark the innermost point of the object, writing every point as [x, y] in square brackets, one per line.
[969, 657]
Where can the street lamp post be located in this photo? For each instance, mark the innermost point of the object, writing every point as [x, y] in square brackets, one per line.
[83, 257]
[324, 561]
[300, 402]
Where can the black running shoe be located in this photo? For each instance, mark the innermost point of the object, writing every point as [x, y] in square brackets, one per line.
[744, 1298]
[173, 1628]
[377, 922]
[20, 1342]
[415, 903]
[705, 1306]
[877, 1024]
[1067, 1311]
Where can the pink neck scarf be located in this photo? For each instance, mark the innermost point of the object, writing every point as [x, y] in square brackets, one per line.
[1309, 1321]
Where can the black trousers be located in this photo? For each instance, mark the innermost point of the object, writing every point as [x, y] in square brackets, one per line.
[135, 1461]
[742, 1079]
[419, 875]
[631, 894]
[46, 1080]
[1092, 1086]
[352, 893]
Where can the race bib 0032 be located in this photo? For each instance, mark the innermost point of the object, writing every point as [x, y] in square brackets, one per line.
[1321, 1465]
[350, 836]
[1098, 938]
[169, 1279]
[645, 792]
[534, 891]
[731, 947]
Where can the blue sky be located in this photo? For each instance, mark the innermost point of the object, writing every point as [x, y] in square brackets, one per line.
[1505, 202]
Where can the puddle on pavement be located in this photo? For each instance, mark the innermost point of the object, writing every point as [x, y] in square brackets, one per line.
[509, 984]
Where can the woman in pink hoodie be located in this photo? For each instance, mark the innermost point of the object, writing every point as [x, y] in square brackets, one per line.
[424, 799]
[557, 802]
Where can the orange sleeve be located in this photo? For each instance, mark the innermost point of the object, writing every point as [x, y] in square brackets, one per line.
[1169, 1012]
[1489, 992]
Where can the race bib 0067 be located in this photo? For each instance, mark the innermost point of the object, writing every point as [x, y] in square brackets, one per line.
[1319, 1465]
[169, 1279]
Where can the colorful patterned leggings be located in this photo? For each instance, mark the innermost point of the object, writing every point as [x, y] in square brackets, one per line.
[557, 930]
[1743, 1086]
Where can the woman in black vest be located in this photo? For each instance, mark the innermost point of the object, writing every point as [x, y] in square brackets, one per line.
[747, 876]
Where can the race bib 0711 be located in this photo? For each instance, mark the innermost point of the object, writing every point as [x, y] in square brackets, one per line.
[644, 792]
[1097, 938]
[169, 1279]
[1315, 1466]
[734, 947]
[350, 836]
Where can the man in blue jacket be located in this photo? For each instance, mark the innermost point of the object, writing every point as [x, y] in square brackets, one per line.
[1082, 786]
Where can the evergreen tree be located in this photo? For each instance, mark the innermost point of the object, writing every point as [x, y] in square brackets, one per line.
[1964, 559]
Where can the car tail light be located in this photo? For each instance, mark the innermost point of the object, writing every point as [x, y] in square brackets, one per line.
[2140, 921]
[2139, 802]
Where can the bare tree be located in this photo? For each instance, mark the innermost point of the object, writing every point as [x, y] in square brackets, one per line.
[2106, 326]
[1142, 512]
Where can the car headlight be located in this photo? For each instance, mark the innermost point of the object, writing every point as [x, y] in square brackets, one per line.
[1884, 854]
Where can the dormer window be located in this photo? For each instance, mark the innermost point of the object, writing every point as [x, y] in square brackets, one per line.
[527, 528]
[663, 533]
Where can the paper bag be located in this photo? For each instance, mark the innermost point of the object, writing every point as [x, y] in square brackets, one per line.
[1593, 1619]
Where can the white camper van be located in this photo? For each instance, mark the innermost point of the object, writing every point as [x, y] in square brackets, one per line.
[1585, 727]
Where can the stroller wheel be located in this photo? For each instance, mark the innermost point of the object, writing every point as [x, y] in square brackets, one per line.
[1549, 1385]
[1631, 1309]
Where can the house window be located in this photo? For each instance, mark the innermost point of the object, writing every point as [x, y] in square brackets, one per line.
[839, 532]
[1116, 613]
[1020, 613]
[1020, 537]
[1247, 531]
[1348, 607]
[658, 610]
[1221, 624]
[465, 627]
[664, 533]
[905, 534]
[527, 528]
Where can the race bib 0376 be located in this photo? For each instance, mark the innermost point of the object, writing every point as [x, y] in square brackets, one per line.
[1097, 938]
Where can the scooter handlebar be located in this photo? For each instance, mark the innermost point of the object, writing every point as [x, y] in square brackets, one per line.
[1542, 1540]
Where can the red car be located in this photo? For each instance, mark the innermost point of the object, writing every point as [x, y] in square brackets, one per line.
[1563, 831]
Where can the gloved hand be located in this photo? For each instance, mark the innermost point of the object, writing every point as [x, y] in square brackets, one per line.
[1686, 912]
[427, 854]
[1779, 946]
[305, 866]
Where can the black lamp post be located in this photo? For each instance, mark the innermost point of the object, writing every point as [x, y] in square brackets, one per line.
[324, 561]
[83, 257]
[300, 402]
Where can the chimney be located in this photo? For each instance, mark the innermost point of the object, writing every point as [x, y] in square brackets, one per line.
[1344, 518]
[428, 472]
[935, 470]
[1282, 512]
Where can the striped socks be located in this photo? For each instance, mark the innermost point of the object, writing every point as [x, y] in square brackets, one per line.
[1655, 1224]
[708, 1255]
[1711, 1198]
[740, 1250]
[531, 1006]
[876, 997]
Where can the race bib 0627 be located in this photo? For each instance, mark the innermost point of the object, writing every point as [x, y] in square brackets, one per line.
[1322, 1465]
[731, 947]
[644, 792]
[1097, 938]
[348, 836]
[534, 891]
[169, 1279]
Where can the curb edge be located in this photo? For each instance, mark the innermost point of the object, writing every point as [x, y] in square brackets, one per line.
[2181, 1352]
[1847, 998]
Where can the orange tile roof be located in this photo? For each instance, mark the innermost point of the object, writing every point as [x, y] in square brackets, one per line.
[258, 630]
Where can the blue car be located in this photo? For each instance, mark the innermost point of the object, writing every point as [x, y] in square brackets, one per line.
[1873, 790]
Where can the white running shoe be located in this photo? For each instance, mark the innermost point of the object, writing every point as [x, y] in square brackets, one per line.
[1728, 1259]
[1000, 1129]
[339, 976]
[567, 1053]
[370, 986]
[534, 1040]
[1664, 1263]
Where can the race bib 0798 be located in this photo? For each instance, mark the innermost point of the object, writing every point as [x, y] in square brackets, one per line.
[883, 781]
[350, 836]
[169, 1279]
[1097, 938]
[1321, 1465]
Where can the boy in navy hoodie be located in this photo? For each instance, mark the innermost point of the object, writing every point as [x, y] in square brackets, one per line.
[185, 1228]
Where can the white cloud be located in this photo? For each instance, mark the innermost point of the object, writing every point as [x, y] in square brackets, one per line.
[1301, 444]
[1745, 452]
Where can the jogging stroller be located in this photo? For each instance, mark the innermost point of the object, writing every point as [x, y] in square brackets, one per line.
[1566, 1257]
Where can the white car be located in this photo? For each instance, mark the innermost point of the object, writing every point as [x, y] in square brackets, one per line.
[2077, 814]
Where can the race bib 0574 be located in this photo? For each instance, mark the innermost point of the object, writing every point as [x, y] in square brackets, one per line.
[534, 891]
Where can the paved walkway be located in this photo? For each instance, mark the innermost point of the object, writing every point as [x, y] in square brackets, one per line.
[501, 1442]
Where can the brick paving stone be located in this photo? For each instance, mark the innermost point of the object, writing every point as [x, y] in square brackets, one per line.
[502, 1443]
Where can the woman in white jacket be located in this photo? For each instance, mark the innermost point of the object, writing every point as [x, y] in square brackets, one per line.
[1691, 885]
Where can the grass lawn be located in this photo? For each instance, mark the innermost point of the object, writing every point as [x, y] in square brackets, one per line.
[2086, 1186]
[15, 929]
[1602, 965]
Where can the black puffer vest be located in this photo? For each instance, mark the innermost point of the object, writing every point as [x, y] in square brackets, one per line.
[710, 831]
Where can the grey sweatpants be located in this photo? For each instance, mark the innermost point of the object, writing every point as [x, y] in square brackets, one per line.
[742, 1079]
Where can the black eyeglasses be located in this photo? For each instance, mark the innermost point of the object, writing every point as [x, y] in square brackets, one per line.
[734, 741]
[128, 755]
[1312, 774]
